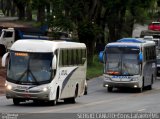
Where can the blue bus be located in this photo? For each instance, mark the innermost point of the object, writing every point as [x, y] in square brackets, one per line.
[129, 62]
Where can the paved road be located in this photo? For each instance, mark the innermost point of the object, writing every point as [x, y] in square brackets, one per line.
[3, 18]
[97, 100]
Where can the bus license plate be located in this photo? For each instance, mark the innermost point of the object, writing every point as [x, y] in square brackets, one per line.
[27, 95]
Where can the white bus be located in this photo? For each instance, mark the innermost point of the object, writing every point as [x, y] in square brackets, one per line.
[45, 70]
[129, 62]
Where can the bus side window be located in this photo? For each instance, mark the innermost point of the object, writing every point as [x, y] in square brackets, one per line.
[69, 57]
[60, 58]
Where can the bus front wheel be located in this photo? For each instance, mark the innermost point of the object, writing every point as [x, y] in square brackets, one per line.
[16, 101]
[140, 90]
[110, 89]
[72, 99]
[149, 87]
[57, 96]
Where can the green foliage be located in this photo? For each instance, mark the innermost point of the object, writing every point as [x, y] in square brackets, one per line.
[37, 3]
[90, 18]
[96, 69]
[86, 30]
[121, 15]
[61, 23]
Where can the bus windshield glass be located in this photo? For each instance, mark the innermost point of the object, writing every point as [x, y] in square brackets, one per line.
[29, 68]
[122, 61]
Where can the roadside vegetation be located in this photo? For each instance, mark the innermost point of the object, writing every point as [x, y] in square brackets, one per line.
[96, 69]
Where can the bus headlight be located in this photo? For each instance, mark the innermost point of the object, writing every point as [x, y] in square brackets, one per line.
[107, 78]
[9, 87]
[134, 79]
[45, 89]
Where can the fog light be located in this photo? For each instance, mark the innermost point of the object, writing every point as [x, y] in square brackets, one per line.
[106, 85]
[135, 86]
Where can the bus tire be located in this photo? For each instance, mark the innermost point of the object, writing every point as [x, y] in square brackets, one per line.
[140, 90]
[72, 99]
[110, 89]
[16, 101]
[149, 87]
[85, 90]
[55, 102]
[57, 96]
[38, 102]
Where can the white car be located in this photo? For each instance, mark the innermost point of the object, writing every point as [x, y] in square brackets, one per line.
[148, 37]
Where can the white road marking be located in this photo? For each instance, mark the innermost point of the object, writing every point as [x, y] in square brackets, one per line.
[140, 110]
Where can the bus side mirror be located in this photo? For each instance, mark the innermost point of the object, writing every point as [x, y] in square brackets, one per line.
[54, 62]
[101, 56]
[140, 58]
[4, 59]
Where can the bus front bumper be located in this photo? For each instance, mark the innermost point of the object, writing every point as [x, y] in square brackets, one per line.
[118, 84]
[43, 95]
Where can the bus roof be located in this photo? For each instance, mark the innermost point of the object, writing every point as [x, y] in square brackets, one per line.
[34, 45]
[130, 42]
[133, 40]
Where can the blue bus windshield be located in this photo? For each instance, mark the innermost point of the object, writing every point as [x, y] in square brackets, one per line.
[122, 61]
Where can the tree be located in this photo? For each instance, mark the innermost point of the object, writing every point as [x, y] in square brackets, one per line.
[85, 17]
[29, 10]
[40, 6]
[120, 16]
[21, 5]
[7, 7]
[79, 16]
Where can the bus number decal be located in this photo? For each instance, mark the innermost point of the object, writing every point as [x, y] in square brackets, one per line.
[64, 72]
[120, 77]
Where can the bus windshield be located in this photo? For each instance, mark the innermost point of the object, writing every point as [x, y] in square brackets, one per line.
[29, 68]
[122, 61]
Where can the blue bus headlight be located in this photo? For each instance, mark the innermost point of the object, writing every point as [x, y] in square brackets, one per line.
[107, 79]
[134, 79]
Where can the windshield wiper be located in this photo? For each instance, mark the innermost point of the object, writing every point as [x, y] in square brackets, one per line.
[127, 74]
[33, 77]
[20, 78]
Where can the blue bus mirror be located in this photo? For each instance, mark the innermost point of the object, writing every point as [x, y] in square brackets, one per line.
[140, 57]
[101, 56]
